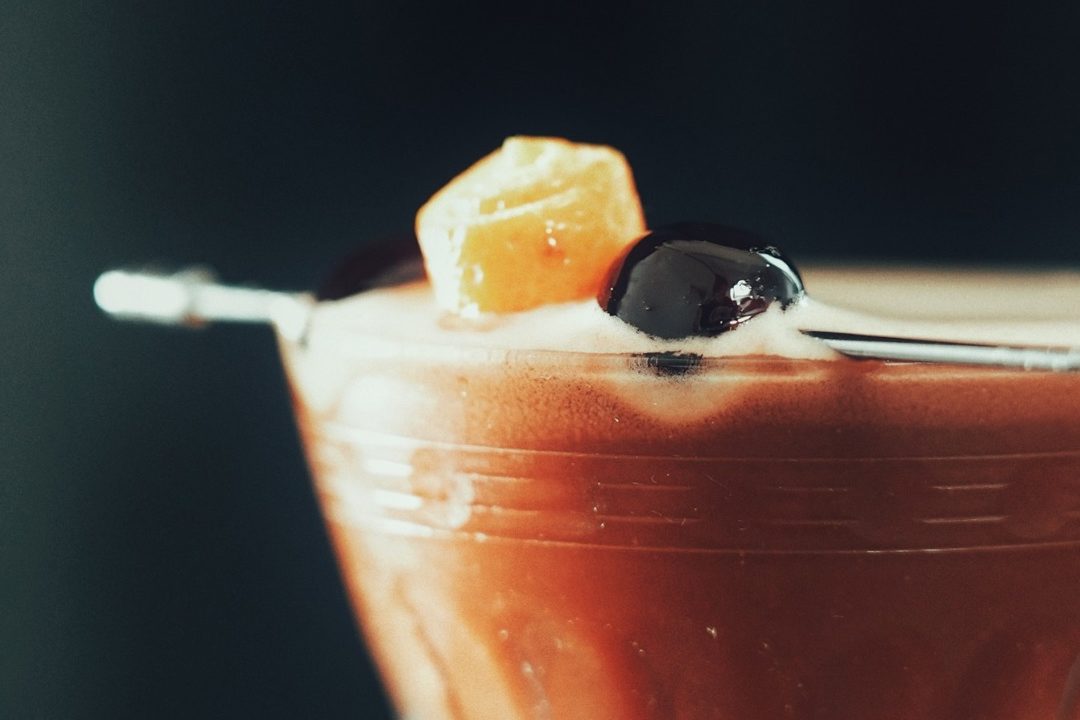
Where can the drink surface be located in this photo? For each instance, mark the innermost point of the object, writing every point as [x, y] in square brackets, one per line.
[533, 533]
[958, 305]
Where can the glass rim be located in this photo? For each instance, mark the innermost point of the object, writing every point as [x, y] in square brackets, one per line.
[670, 361]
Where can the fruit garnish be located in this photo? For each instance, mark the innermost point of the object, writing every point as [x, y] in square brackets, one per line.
[535, 222]
[697, 279]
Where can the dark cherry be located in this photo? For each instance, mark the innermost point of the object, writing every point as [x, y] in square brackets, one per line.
[390, 262]
[697, 279]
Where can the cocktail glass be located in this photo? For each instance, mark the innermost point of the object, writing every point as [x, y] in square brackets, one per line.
[537, 534]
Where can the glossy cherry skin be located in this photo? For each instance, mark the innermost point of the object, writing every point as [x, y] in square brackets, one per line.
[698, 279]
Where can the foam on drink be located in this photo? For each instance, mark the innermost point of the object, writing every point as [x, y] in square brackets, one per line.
[975, 306]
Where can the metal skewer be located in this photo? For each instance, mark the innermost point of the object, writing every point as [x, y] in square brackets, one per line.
[193, 297]
[880, 347]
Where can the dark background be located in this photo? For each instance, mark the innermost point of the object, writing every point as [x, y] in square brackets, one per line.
[160, 551]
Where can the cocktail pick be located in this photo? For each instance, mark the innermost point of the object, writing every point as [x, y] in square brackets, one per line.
[193, 297]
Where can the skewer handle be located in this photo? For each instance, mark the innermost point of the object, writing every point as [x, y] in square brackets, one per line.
[193, 297]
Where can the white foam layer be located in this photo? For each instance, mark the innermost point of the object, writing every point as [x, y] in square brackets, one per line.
[1035, 308]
